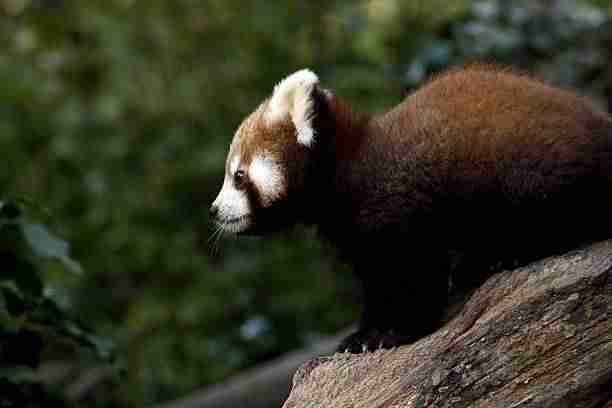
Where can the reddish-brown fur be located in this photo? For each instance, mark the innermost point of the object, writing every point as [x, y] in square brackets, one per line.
[479, 169]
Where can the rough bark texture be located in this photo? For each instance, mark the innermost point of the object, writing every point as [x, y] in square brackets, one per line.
[538, 336]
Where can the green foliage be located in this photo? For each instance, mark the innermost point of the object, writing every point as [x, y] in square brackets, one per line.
[32, 319]
[117, 115]
[561, 41]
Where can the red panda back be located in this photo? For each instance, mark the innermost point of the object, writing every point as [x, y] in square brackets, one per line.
[485, 125]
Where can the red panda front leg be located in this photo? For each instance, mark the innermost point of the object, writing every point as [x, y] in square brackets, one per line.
[398, 307]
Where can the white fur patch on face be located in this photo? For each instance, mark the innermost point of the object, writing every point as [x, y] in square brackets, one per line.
[234, 164]
[293, 96]
[267, 176]
[234, 209]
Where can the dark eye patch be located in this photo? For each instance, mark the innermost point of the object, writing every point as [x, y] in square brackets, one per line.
[239, 178]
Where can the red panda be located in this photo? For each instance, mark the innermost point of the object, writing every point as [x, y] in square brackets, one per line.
[478, 169]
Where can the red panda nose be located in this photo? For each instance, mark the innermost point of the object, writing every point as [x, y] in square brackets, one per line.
[213, 211]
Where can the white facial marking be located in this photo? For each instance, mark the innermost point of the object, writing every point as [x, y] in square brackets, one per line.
[233, 207]
[234, 164]
[267, 176]
[233, 204]
[293, 96]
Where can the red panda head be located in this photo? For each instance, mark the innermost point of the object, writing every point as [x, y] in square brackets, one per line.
[266, 163]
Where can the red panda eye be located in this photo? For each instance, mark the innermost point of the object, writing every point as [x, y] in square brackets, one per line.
[239, 177]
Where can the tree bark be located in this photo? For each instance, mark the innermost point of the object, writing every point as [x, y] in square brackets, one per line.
[537, 336]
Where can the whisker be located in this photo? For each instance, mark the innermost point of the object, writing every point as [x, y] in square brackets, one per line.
[213, 238]
[216, 239]
[217, 227]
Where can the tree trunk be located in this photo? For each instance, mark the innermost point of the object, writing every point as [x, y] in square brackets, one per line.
[538, 336]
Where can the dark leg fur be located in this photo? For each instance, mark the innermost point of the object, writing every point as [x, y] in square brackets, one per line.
[405, 275]
[399, 306]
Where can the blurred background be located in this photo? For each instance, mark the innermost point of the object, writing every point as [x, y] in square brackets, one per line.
[115, 119]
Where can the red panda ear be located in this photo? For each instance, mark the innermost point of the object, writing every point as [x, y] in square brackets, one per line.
[293, 97]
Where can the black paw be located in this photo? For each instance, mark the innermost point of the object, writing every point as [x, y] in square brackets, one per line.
[363, 341]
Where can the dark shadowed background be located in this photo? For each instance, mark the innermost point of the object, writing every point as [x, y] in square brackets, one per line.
[115, 118]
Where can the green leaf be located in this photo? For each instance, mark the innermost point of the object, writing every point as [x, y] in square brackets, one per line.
[46, 245]
[48, 313]
[43, 243]
[103, 346]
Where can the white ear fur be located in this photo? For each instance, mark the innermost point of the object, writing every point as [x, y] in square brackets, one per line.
[293, 96]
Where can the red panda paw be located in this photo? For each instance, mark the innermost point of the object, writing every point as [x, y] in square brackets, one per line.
[372, 339]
